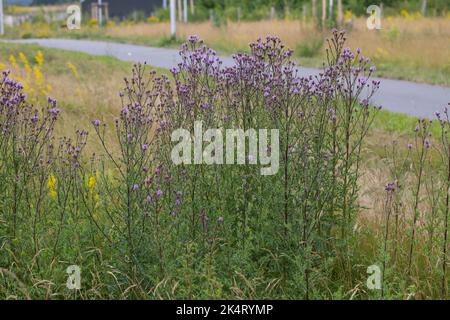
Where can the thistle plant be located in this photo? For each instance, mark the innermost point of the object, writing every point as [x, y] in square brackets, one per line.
[151, 227]
[322, 123]
[419, 190]
[36, 181]
[135, 189]
[421, 148]
[444, 122]
[27, 154]
[197, 95]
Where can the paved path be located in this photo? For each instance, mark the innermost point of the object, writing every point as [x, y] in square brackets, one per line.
[416, 99]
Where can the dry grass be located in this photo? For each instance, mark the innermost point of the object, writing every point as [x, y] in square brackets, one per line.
[235, 36]
[420, 40]
[16, 9]
[85, 99]
[423, 42]
[413, 48]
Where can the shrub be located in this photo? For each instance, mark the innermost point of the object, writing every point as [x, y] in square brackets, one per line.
[313, 197]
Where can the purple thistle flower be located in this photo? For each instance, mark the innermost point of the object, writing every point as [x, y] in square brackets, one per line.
[55, 111]
[438, 115]
[205, 106]
[193, 38]
[390, 187]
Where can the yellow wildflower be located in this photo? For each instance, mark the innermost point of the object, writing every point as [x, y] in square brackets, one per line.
[95, 197]
[51, 184]
[13, 61]
[23, 58]
[92, 23]
[73, 69]
[405, 14]
[348, 16]
[153, 19]
[39, 58]
[38, 75]
[91, 182]
[26, 64]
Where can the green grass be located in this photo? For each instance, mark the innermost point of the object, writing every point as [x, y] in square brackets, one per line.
[56, 59]
[412, 72]
[400, 123]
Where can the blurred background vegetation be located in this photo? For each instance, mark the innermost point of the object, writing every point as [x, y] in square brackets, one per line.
[262, 9]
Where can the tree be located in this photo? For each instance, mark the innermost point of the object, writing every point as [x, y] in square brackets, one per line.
[314, 9]
[324, 12]
[180, 11]
[424, 7]
[192, 7]
[331, 10]
[340, 15]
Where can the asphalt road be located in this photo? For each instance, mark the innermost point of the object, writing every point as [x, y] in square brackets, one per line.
[421, 100]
